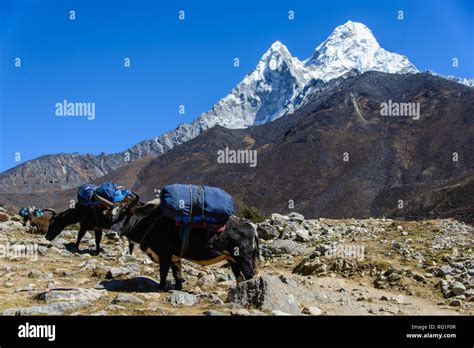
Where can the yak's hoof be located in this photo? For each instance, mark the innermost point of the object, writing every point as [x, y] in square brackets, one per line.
[178, 286]
[164, 287]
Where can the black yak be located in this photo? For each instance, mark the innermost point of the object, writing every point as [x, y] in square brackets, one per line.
[159, 237]
[94, 218]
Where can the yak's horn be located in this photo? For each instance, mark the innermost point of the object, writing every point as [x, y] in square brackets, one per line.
[136, 199]
[103, 200]
[52, 211]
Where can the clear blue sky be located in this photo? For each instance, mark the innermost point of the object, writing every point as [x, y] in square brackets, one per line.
[175, 62]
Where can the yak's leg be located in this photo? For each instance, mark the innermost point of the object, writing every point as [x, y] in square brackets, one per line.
[130, 248]
[236, 270]
[177, 274]
[247, 268]
[82, 232]
[98, 238]
[165, 263]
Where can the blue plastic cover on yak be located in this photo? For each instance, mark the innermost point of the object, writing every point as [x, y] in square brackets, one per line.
[192, 203]
[107, 190]
[85, 194]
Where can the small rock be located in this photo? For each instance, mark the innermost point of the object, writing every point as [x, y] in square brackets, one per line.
[279, 313]
[207, 281]
[127, 298]
[116, 272]
[4, 217]
[445, 270]
[418, 277]
[302, 236]
[240, 312]
[182, 298]
[211, 313]
[34, 274]
[29, 287]
[114, 307]
[456, 303]
[394, 277]
[458, 288]
[211, 298]
[311, 310]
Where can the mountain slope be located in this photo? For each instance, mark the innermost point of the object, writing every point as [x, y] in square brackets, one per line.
[302, 160]
[301, 156]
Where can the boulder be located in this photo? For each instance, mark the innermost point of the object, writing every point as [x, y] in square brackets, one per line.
[278, 219]
[56, 295]
[55, 308]
[267, 293]
[267, 231]
[9, 226]
[280, 247]
[296, 217]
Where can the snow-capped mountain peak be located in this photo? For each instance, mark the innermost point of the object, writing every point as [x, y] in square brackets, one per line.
[275, 58]
[353, 46]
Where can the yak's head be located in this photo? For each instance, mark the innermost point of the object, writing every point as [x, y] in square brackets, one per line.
[104, 218]
[136, 220]
[59, 221]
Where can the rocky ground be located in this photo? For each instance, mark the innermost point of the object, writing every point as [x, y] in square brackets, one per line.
[309, 267]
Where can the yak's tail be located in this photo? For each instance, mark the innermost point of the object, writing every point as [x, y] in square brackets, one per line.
[256, 255]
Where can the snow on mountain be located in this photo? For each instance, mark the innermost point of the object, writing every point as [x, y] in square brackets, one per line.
[353, 46]
[274, 88]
